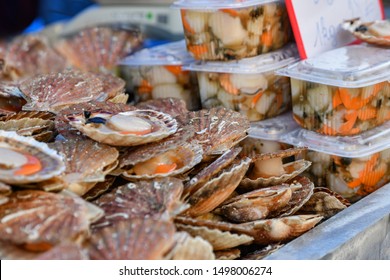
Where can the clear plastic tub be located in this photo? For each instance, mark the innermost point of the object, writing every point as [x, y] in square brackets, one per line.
[158, 72]
[248, 86]
[343, 91]
[230, 29]
[352, 166]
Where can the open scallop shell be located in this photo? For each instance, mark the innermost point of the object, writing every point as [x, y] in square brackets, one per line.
[171, 106]
[65, 129]
[53, 92]
[162, 125]
[190, 248]
[217, 129]
[99, 49]
[135, 239]
[158, 199]
[220, 240]
[50, 162]
[374, 32]
[42, 219]
[86, 162]
[215, 191]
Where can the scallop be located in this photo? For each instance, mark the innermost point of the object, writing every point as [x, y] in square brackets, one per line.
[11, 98]
[249, 83]
[171, 106]
[190, 248]
[375, 32]
[39, 129]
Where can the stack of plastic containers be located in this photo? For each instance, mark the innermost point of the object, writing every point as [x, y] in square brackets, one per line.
[341, 102]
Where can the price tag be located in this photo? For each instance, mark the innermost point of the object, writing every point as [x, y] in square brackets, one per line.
[317, 23]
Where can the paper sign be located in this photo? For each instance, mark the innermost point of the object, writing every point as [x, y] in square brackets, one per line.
[317, 23]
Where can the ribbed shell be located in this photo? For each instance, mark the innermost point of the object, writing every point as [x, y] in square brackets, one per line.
[171, 106]
[64, 251]
[30, 115]
[190, 248]
[85, 160]
[135, 239]
[112, 85]
[218, 129]
[99, 188]
[11, 99]
[229, 254]
[51, 162]
[39, 129]
[99, 49]
[65, 129]
[53, 92]
[163, 126]
[35, 217]
[157, 199]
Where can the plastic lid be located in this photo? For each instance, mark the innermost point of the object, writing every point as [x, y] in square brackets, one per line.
[258, 64]
[350, 66]
[218, 4]
[166, 54]
[284, 129]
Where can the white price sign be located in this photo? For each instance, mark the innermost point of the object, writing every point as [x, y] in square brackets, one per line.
[317, 23]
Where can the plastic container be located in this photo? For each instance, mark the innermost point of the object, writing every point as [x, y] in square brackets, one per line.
[343, 91]
[248, 86]
[230, 29]
[157, 72]
[352, 166]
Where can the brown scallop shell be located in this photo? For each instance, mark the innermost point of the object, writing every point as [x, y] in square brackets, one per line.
[51, 162]
[217, 129]
[28, 114]
[220, 240]
[5, 189]
[210, 170]
[53, 92]
[163, 125]
[229, 254]
[135, 239]
[215, 191]
[99, 188]
[64, 251]
[86, 161]
[10, 251]
[39, 129]
[65, 129]
[264, 232]
[365, 31]
[42, 219]
[112, 85]
[54, 184]
[190, 248]
[99, 49]
[30, 55]
[171, 106]
[157, 199]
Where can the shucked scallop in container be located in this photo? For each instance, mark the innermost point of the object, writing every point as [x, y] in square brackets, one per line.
[231, 29]
[156, 73]
[249, 86]
[344, 91]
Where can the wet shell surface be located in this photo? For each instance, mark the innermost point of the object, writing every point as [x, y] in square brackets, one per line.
[25, 160]
[157, 199]
[374, 32]
[126, 128]
[42, 219]
[190, 248]
[218, 129]
[215, 191]
[99, 49]
[65, 129]
[135, 239]
[53, 92]
[171, 106]
[86, 162]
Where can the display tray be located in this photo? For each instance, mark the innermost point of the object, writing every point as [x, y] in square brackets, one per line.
[360, 232]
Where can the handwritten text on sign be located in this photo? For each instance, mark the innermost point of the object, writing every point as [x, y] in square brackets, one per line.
[316, 23]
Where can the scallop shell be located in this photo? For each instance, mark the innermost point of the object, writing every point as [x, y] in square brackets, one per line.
[53, 92]
[42, 219]
[375, 32]
[162, 124]
[11, 99]
[29, 115]
[51, 163]
[5, 189]
[64, 251]
[220, 240]
[99, 188]
[10, 251]
[210, 170]
[135, 239]
[39, 129]
[215, 191]
[229, 254]
[171, 106]
[112, 85]
[190, 248]
[30, 55]
[65, 129]
[157, 199]
[86, 161]
[217, 129]
[55, 184]
[99, 49]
